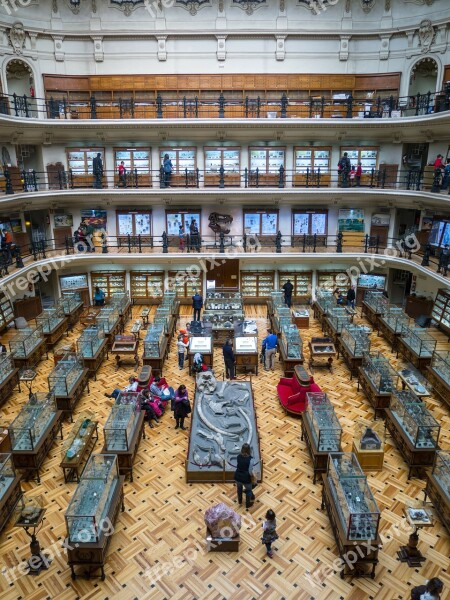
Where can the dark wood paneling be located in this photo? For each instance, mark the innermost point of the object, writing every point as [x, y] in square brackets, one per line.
[226, 275]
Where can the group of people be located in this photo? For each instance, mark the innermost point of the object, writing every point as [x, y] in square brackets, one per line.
[442, 172]
[349, 300]
[444, 259]
[192, 240]
[349, 174]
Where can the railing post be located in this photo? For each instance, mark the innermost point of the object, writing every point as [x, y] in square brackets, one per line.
[43, 249]
[5, 265]
[391, 105]
[278, 240]
[426, 256]
[377, 244]
[281, 177]
[16, 107]
[419, 180]
[221, 242]
[221, 106]
[417, 104]
[196, 107]
[322, 107]
[19, 261]
[314, 242]
[372, 173]
[104, 243]
[350, 107]
[65, 108]
[51, 108]
[129, 243]
[257, 176]
[284, 103]
[304, 242]
[71, 179]
[339, 242]
[436, 187]
[246, 177]
[197, 177]
[120, 109]
[184, 107]
[186, 177]
[246, 107]
[60, 180]
[33, 174]
[159, 110]
[140, 244]
[25, 105]
[222, 176]
[66, 242]
[23, 177]
[244, 242]
[318, 177]
[307, 177]
[136, 177]
[165, 243]
[258, 107]
[8, 183]
[33, 250]
[93, 105]
[366, 243]
[162, 179]
[383, 179]
[428, 102]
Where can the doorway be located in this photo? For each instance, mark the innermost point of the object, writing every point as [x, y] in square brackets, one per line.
[19, 81]
[225, 275]
[423, 77]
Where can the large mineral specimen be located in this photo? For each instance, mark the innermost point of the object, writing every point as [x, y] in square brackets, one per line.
[222, 521]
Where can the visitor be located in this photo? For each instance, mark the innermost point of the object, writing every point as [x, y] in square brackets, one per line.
[182, 239]
[131, 387]
[344, 167]
[122, 174]
[159, 388]
[358, 174]
[269, 347]
[443, 260]
[99, 297]
[167, 170]
[97, 169]
[181, 347]
[432, 590]
[197, 305]
[352, 176]
[446, 179]
[351, 297]
[194, 236]
[337, 295]
[269, 532]
[229, 359]
[182, 407]
[243, 476]
[288, 288]
[147, 406]
[3, 349]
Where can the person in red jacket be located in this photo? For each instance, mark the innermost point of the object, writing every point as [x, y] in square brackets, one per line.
[438, 164]
[122, 172]
[358, 174]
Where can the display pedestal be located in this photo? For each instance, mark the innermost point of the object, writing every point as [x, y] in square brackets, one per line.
[411, 554]
[369, 460]
[221, 544]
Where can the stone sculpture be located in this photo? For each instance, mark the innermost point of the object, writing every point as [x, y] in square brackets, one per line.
[222, 521]
[17, 37]
[426, 35]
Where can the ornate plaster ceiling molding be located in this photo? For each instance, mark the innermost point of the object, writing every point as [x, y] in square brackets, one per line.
[127, 6]
[193, 6]
[17, 36]
[249, 5]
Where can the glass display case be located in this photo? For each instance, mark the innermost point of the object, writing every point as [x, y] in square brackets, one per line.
[75, 442]
[66, 374]
[6, 366]
[419, 341]
[441, 309]
[7, 473]
[377, 301]
[369, 280]
[120, 301]
[107, 318]
[69, 302]
[277, 298]
[440, 363]
[49, 319]
[226, 319]
[323, 422]
[163, 310]
[120, 427]
[25, 341]
[27, 428]
[378, 370]
[257, 284]
[395, 318]
[221, 304]
[216, 295]
[162, 322]
[356, 339]
[91, 500]
[291, 341]
[338, 318]
[356, 506]
[90, 341]
[229, 158]
[325, 300]
[441, 471]
[153, 342]
[415, 419]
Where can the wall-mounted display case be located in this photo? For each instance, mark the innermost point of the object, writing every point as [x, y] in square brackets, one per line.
[441, 310]
[185, 285]
[257, 284]
[302, 282]
[32, 422]
[146, 286]
[438, 486]
[439, 374]
[223, 304]
[367, 156]
[6, 312]
[182, 159]
[73, 283]
[415, 419]
[309, 161]
[260, 224]
[223, 295]
[267, 161]
[80, 164]
[110, 282]
[136, 161]
[356, 506]
[229, 159]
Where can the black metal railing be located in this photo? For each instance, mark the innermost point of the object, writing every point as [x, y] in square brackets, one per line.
[166, 106]
[428, 180]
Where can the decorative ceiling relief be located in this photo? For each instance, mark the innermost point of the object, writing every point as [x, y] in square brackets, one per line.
[127, 6]
[17, 36]
[221, 48]
[162, 51]
[367, 5]
[316, 6]
[280, 52]
[427, 34]
[249, 5]
[193, 6]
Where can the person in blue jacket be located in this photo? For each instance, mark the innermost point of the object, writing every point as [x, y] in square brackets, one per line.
[167, 168]
[269, 347]
[99, 297]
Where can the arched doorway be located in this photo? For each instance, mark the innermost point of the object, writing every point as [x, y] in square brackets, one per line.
[20, 81]
[423, 77]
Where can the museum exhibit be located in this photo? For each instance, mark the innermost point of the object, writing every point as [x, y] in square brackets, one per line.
[225, 299]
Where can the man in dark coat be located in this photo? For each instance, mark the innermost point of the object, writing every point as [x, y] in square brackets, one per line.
[228, 357]
[197, 305]
[97, 169]
[351, 297]
[288, 288]
[344, 167]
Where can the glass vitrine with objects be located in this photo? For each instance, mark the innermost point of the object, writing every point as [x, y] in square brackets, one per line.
[323, 422]
[376, 300]
[66, 374]
[356, 339]
[154, 342]
[107, 318]
[120, 427]
[379, 371]
[69, 302]
[419, 341]
[90, 341]
[25, 341]
[50, 318]
[415, 419]
[6, 366]
[7, 474]
[395, 318]
[32, 421]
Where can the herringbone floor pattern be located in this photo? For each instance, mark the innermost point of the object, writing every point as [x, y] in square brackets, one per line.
[163, 526]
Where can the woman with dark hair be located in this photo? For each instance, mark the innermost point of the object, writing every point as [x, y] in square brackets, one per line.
[182, 406]
[243, 476]
[432, 590]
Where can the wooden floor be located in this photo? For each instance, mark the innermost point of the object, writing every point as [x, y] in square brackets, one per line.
[163, 523]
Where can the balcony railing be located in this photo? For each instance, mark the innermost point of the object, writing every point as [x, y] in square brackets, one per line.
[17, 257]
[416, 180]
[163, 107]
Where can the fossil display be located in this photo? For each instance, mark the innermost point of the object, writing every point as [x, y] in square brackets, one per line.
[223, 419]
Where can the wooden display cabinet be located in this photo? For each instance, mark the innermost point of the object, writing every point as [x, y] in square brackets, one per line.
[302, 282]
[438, 493]
[247, 359]
[184, 165]
[80, 166]
[110, 282]
[308, 160]
[438, 374]
[126, 458]
[264, 165]
[12, 494]
[146, 287]
[417, 306]
[368, 156]
[441, 311]
[66, 404]
[229, 158]
[28, 308]
[185, 286]
[137, 161]
[257, 285]
[6, 312]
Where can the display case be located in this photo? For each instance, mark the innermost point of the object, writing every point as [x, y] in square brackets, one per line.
[325, 301]
[276, 298]
[183, 165]
[438, 486]
[391, 322]
[6, 311]
[439, 374]
[229, 159]
[88, 508]
[146, 287]
[96, 502]
[265, 164]
[300, 316]
[354, 342]
[7, 367]
[415, 419]
[154, 341]
[325, 426]
[222, 304]
[374, 305]
[356, 506]
[110, 282]
[337, 318]
[416, 345]
[27, 346]
[312, 166]
[10, 491]
[291, 349]
[302, 282]
[441, 310]
[64, 377]
[222, 323]
[69, 303]
[121, 302]
[185, 285]
[137, 164]
[368, 445]
[78, 445]
[108, 319]
[162, 322]
[257, 285]
[90, 341]
[53, 323]
[377, 368]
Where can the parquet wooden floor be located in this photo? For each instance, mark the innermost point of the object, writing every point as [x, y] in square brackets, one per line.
[163, 522]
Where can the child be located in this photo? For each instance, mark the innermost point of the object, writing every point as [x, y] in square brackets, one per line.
[181, 346]
[269, 532]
